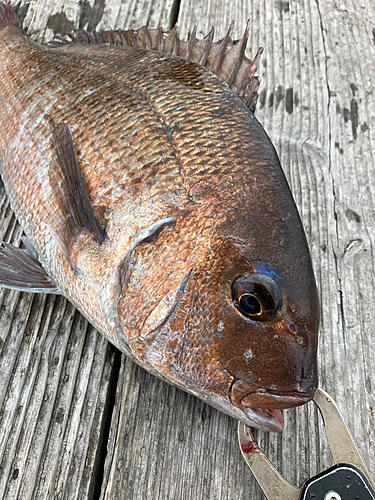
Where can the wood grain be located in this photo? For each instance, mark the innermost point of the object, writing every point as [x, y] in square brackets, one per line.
[77, 423]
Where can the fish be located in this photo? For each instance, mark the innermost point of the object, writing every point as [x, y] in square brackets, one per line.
[154, 201]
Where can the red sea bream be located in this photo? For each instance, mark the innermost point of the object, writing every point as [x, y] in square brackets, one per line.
[152, 199]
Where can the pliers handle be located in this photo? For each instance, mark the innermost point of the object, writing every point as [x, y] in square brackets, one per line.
[349, 479]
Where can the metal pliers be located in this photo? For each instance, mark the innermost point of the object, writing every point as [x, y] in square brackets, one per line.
[348, 479]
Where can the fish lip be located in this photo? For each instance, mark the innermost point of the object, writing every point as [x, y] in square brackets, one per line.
[245, 394]
[264, 419]
[270, 399]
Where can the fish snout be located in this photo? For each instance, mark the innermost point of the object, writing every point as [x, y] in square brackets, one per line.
[274, 400]
[246, 395]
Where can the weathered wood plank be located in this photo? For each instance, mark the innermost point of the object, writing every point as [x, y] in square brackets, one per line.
[350, 52]
[317, 104]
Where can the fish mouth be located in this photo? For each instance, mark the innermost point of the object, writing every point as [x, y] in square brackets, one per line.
[264, 419]
[275, 399]
[262, 406]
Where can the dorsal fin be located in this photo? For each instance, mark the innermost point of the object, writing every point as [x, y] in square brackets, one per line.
[7, 16]
[226, 58]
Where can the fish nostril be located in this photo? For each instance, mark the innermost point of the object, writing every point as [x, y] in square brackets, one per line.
[249, 354]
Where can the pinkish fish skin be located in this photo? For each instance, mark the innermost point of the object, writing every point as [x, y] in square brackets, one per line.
[154, 201]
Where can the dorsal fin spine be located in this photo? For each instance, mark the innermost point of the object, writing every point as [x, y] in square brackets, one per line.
[207, 49]
[223, 49]
[160, 40]
[250, 71]
[191, 43]
[175, 41]
[241, 51]
[147, 38]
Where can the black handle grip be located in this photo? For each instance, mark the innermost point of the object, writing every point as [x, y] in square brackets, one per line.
[340, 482]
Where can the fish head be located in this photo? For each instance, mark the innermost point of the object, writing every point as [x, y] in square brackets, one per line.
[266, 333]
[241, 334]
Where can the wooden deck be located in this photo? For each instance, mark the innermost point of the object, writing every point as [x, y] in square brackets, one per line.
[80, 421]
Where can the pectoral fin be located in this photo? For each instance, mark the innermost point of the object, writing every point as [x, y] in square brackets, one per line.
[71, 211]
[20, 270]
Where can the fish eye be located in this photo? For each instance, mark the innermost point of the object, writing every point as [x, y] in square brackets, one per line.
[250, 304]
[256, 296]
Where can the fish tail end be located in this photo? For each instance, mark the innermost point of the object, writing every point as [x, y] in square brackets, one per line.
[7, 16]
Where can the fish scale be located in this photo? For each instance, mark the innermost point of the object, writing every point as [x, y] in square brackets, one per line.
[168, 102]
[155, 202]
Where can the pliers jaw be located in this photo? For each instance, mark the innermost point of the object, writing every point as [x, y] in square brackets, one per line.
[350, 474]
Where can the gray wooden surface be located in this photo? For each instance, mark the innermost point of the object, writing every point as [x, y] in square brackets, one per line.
[80, 421]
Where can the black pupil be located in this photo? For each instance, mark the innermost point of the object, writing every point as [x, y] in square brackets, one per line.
[250, 304]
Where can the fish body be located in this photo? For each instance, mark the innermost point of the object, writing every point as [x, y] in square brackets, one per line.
[152, 199]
